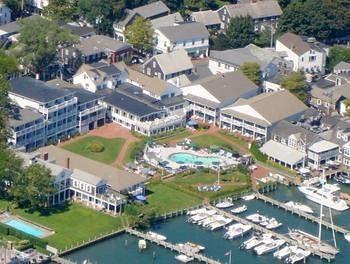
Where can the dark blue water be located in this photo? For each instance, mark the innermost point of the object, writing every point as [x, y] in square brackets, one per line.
[123, 249]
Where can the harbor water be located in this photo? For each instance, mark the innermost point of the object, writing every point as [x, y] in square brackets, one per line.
[124, 249]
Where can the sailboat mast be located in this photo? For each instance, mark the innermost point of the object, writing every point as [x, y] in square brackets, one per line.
[330, 215]
[320, 224]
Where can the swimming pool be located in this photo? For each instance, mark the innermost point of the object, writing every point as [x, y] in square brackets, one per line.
[187, 158]
[26, 227]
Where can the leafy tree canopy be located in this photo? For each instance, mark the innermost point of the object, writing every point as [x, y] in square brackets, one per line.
[40, 40]
[338, 54]
[61, 10]
[252, 71]
[8, 63]
[296, 84]
[140, 34]
[321, 19]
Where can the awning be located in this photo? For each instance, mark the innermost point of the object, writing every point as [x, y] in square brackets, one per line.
[192, 122]
[282, 152]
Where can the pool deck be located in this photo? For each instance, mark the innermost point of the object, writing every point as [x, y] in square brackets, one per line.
[6, 217]
[163, 153]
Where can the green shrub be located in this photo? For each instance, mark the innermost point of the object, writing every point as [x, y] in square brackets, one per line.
[96, 147]
[254, 149]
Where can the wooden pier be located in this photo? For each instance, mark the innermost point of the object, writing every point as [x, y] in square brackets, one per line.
[57, 259]
[300, 213]
[236, 218]
[171, 246]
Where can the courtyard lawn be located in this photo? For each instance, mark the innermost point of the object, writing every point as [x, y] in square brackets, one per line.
[163, 197]
[109, 154]
[73, 224]
[205, 141]
[235, 139]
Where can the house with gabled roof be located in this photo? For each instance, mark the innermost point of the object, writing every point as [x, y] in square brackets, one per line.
[307, 54]
[210, 18]
[168, 65]
[265, 13]
[191, 36]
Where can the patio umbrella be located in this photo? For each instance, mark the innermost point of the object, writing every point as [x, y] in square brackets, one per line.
[141, 198]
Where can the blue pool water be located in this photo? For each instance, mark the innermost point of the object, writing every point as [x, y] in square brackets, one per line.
[25, 227]
[187, 158]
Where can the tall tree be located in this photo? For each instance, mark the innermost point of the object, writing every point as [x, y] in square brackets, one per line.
[8, 64]
[321, 19]
[15, 6]
[240, 32]
[252, 71]
[61, 10]
[338, 54]
[34, 187]
[296, 84]
[40, 40]
[140, 34]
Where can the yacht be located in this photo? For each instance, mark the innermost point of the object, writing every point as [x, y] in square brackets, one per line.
[343, 179]
[299, 206]
[273, 224]
[284, 252]
[191, 247]
[240, 209]
[249, 197]
[227, 203]
[327, 196]
[297, 255]
[254, 241]
[207, 221]
[256, 218]
[220, 223]
[196, 211]
[156, 236]
[201, 216]
[183, 258]
[268, 246]
[237, 230]
[311, 241]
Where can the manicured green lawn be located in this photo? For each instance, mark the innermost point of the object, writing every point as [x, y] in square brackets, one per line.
[232, 182]
[235, 139]
[73, 224]
[205, 141]
[133, 149]
[108, 155]
[164, 198]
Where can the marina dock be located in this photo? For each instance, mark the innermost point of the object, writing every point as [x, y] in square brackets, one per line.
[307, 216]
[57, 259]
[171, 246]
[238, 219]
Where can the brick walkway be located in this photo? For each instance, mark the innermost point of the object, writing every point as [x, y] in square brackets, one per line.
[116, 131]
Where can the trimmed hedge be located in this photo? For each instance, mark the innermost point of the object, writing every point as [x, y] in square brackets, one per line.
[10, 231]
[254, 149]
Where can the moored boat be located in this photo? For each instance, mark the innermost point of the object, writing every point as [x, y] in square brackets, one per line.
[227, 203]
[299, 206]
[239, 210]
[183, 258]
[249, 197]
[156, 236]
[347, 237]
[268, 246]
[237, 230]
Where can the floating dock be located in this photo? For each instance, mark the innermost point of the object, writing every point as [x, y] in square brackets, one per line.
[307, 216]
[171, 246]
[236, 218]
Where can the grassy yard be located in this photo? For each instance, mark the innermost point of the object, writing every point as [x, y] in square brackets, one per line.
[109, 154]
[133, 149]
[173, 138]
[205, 141]
[234, 139]
[164, 198]
[72, 223]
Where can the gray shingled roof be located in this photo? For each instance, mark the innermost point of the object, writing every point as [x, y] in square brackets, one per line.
[258, 9]
[36, 90]
[185, 31]
[167, 21]
[207, 17]
[14, 27]
[86, 177]
[20, 116]
[100, 43]
[152, 9]
[342, 66]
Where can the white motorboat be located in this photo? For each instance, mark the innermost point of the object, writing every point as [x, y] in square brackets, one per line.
[254, 241]
[197, 211]
[156, 236]
[284, 252]
[297, 255]
[191, 247]
[183, 258]
[256, 218]
[327, 196]
[201, 216]
[347, 237]
[239, 210]
[249, 197]
[268, 246]
[220, 224]
[142, 244]
[237, 230]
[311, 241]
[227, 203]
[273, 224]
[299, 206]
